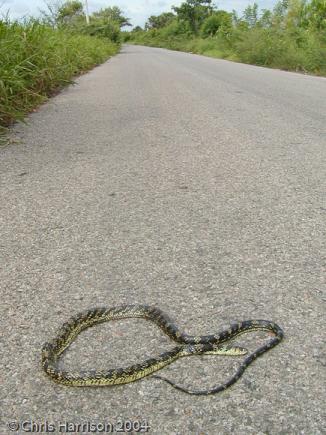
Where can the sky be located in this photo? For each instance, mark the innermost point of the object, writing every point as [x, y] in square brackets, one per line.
[137, 10]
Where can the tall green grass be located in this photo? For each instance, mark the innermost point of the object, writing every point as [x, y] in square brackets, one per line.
[301, 50]
[37, 60]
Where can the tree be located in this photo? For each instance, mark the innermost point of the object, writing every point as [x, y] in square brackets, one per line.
[296, 15]
[280, 11]
[113, 14]
[62, 13]
[194, 12]
[266, 18]
[109, 30]
[160, 21]
[281, 8]
[316, 14]
[107, 23]
[137, 29]
[218, 21]
[250, 15]
[70, 12]
[235, 18]
[50, 14]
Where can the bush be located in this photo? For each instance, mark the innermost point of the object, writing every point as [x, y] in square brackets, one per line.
[219, 21]
[109, 30]
[175, 28]
[270, 47]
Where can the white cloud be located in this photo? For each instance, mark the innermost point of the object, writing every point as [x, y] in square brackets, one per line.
[137, 10]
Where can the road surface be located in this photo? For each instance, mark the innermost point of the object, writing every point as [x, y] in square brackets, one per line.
[190, 183]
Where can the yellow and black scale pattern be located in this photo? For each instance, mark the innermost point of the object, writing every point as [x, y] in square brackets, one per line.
[188, 345]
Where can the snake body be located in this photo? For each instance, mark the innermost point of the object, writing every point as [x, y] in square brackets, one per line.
[187, 345]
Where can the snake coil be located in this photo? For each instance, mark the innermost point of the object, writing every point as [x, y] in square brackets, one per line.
[187, 345]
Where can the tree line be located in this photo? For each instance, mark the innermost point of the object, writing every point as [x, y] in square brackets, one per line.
[291, 36]
[70, 15]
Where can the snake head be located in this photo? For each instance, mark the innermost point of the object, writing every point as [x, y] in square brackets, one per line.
[47, 352]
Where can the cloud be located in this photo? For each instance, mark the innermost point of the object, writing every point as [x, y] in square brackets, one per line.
[16, 8]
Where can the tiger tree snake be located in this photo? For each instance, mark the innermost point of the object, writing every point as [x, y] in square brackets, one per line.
[187, 345]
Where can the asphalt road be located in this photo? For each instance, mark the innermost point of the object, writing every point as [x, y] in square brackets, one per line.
[194, 184]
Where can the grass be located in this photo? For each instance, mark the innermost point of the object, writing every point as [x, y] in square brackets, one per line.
[301, 50]
[37, 60]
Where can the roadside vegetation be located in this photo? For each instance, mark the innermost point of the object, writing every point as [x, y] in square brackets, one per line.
[40, 56]
[292, 36]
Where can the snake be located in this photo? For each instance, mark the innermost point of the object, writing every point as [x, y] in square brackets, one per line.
[187, 345]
